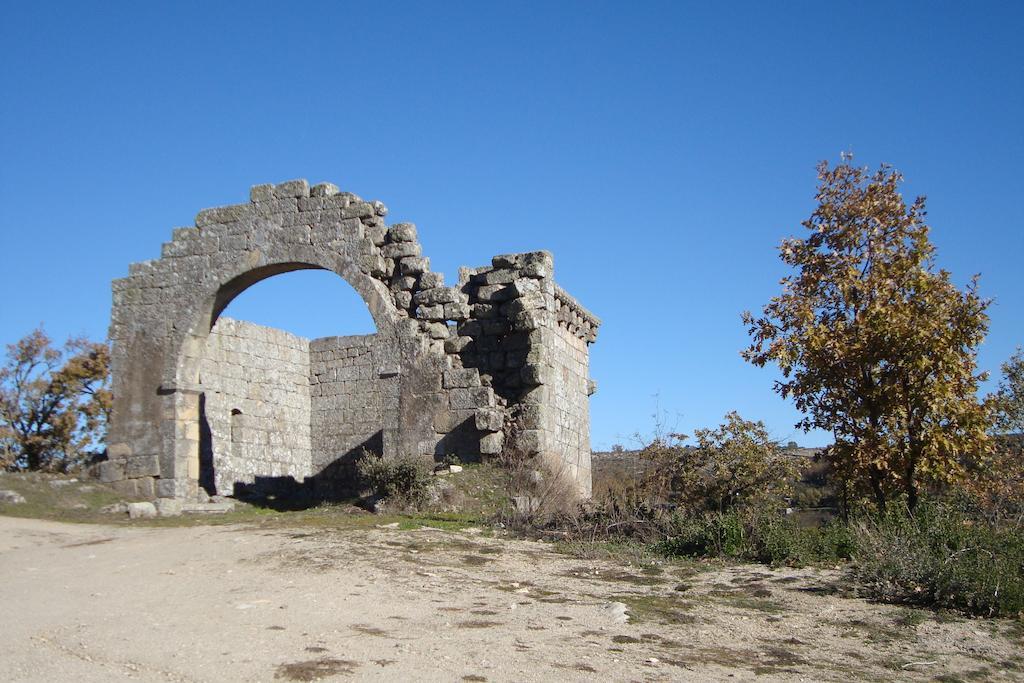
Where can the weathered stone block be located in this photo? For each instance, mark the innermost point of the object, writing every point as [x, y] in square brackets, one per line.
[167, 507]
[430, 312]
[141, 510]
[493, 293]
[375, 234]
[126, 487]
[397, 250]
[373, 264]
[501, 276]
[462, 378]
[168, 488]
[402, 232]
[537, 264]
[491, 444]
[361, 210]
[470, 399]
[261, 193]
[449, 420]
[456, 311]
[413, 265]
[438, 295]
[142, 466]
[431, 280]
[483, 311]
[436, 330]
[506, 261]
[403, 299]
[405, 282]
[118, 451]
[489, 420]
[527, 320]
[291, 188]
[324, 190]
[532, 375]
[145, 487]
[456, 344]
[522, 288]
[222, 214]
[112, 470]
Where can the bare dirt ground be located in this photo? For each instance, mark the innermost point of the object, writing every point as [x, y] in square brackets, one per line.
[202, 603]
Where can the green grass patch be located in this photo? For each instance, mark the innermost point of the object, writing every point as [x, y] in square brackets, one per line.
[663, 609]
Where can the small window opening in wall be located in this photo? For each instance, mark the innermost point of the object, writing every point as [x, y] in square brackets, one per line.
[236, 425]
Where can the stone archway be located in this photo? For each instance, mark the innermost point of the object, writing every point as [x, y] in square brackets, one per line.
[264, 416]
[460, 358]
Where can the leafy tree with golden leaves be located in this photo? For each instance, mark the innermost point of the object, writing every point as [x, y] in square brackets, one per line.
[875, 345]
[54, 403]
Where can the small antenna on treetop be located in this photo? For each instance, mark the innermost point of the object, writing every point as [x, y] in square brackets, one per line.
[846, 155]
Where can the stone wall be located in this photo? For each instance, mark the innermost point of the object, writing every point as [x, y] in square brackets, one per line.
[255, 405]
[528, 339]
[354, 398]
[567, 369]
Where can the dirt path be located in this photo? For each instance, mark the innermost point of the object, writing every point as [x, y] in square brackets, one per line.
[97, 603]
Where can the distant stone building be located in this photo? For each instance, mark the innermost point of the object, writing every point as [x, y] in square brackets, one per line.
[205, 404]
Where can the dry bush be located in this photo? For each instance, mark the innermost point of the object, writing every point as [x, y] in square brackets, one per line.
[403, 482]
[538, 486]
[539, 490]
[996, 485]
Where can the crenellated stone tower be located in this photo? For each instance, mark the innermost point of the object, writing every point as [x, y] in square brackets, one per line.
[208, 404]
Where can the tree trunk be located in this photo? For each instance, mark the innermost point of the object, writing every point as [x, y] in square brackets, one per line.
[875, 475]
[910, 483]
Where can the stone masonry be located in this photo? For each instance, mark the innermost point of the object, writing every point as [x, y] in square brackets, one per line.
[494, 363]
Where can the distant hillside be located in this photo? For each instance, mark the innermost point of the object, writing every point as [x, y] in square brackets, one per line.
[633, 461]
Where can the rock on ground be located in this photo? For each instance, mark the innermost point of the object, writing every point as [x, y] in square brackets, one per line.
[141, 510]
[11, 497]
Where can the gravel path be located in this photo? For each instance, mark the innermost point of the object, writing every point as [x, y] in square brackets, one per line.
[215, 603]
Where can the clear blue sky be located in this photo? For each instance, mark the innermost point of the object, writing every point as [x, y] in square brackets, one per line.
[660, 150]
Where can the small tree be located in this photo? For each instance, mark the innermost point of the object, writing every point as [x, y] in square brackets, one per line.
[875, 345]
[54, 403]
[734, 464]
[1008, 401]
[997, 481]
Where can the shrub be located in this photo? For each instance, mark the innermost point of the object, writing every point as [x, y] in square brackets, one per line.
[756, 536]
[736, 464]
[403, 481]
[717, 534]
[996, 487]
[940, 556]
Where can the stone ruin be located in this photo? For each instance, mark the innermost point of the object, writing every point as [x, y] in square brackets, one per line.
[206, 405]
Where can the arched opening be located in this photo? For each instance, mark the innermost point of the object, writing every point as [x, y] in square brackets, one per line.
[288, 387]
